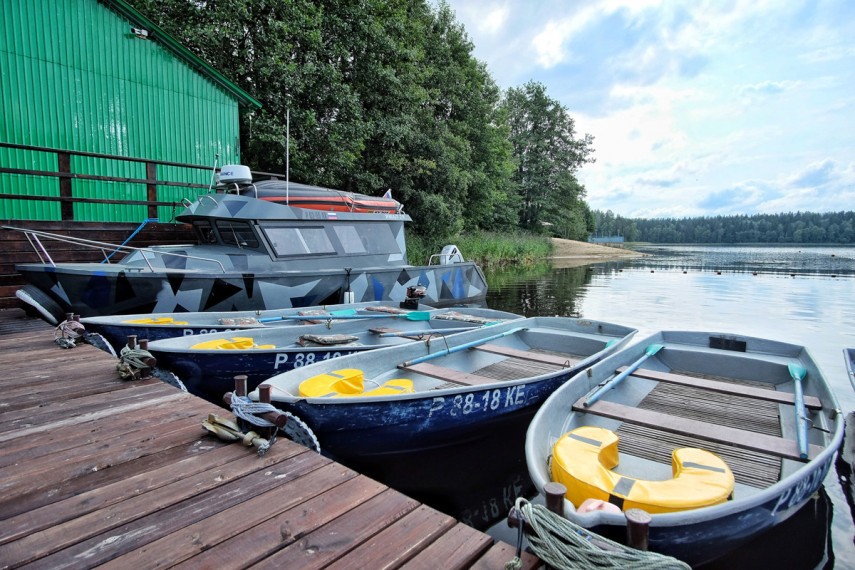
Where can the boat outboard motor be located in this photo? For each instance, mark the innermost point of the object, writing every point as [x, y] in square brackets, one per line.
[235, 176]
[450, 254]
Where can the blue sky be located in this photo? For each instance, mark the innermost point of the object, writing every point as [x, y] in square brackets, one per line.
[697, 108]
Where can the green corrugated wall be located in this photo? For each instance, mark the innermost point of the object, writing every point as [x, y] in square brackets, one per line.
[74, 77]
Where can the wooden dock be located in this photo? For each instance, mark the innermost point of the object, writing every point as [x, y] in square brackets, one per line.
[96, 471]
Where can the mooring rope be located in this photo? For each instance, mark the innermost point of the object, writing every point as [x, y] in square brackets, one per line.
[249, 411]
[67, 333]
[131, 362]
[563, 544]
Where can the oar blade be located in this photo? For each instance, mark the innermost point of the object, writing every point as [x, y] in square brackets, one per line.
[653, 349]
[415, 316]
[797, 371]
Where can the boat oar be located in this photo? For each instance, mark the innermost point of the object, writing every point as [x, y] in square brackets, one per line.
[337, 314]
[648, 352]
[427, 331]
[411, 316]
[460, 347]
[798, 373]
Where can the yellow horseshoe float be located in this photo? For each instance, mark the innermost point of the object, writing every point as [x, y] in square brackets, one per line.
[583, 459]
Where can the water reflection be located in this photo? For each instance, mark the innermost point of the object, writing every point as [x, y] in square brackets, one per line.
[799, 295]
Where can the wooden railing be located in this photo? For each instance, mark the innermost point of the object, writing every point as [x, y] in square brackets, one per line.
[64, 175]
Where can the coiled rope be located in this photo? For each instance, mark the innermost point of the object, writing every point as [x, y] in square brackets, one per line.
[563, 544]
[132, 361]
[247, 410]
[67, 333]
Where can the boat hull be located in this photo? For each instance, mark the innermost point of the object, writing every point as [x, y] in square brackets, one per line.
[699, 535]
[388, 437]
[98, 290]
[116, 329]
[210, 373]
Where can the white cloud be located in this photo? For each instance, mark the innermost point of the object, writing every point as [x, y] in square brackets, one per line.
[697, 107]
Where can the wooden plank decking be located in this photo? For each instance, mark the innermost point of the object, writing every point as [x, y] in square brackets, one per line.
[97, 471]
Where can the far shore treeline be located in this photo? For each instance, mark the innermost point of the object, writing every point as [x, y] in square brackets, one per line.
[791, 228]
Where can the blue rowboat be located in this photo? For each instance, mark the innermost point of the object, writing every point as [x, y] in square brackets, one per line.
[207, 364]
[702, 430]
[461, 389]
[158, 326]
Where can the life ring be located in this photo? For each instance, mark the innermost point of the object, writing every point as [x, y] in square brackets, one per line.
[583, 461]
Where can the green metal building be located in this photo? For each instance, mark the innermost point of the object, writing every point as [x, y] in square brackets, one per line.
[84, 79]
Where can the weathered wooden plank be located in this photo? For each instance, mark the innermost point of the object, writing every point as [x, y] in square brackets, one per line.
[129, 525]
[337, 538]
[319, 504]
[61, 511]
[703, 430]
[460, 547]
[19, 423]
[726, 387]
[399, 542]
[52, 442]
[500, 554]
[447, 374]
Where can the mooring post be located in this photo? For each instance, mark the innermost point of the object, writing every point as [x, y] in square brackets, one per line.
[132, 341]
[555, 497]
[150, 361]
[637, 528]
[240, 385]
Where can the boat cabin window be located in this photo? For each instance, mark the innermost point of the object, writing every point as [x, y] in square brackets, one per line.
[299, 241]
[204, 232]
[237, 233]
[367, 238]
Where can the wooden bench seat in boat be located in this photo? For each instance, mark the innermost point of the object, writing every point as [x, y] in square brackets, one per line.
[448, 374]
[811, 402]
[527, 355]
[778, 446]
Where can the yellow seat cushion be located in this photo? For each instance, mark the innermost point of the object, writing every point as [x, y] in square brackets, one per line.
[234, 343]
[583, 461]
[348, 383]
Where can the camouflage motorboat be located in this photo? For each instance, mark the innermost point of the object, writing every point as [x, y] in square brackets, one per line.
[253, 253]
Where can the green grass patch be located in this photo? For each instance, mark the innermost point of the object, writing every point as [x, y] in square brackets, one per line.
[488, 249]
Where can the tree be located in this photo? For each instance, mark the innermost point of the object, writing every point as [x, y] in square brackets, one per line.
[547, 153]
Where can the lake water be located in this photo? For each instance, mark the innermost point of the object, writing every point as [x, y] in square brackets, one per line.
[800, 295]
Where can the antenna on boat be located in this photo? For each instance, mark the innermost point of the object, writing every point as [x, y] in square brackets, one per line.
[214, 172]
[287, 151]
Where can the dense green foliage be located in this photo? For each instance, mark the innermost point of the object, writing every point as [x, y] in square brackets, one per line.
[386, 94]
[815, 228]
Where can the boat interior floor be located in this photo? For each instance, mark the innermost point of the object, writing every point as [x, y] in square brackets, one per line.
[751, 468]
[518, 364]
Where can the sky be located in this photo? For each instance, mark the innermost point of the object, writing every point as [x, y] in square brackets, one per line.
[697, 108]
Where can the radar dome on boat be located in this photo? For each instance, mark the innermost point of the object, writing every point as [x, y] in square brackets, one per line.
[235, 174]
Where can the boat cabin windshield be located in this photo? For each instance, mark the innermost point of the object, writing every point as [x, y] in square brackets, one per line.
[230, 232]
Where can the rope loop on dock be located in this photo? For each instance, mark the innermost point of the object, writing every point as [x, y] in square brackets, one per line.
[67, 333]
[245, 409]
[132, 363]
[560, 543]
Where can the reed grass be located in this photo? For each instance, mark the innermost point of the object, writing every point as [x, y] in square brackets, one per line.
[488, 249]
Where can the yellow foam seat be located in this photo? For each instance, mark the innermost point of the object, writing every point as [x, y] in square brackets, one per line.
[156, 321]
[350, 382]
[234, 343]
[583, 461]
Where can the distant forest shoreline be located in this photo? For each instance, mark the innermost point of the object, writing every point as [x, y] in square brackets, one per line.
[831, 228]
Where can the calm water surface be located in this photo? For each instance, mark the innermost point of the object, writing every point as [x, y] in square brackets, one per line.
[801, 295]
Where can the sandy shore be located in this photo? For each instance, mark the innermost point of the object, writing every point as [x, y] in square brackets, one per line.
[570, 253]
